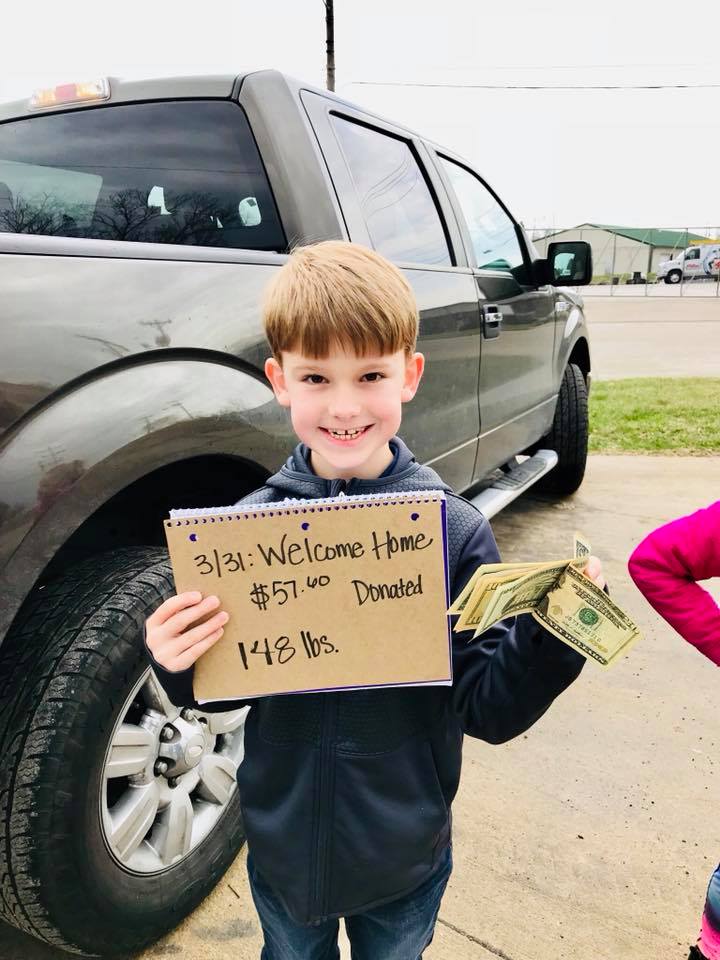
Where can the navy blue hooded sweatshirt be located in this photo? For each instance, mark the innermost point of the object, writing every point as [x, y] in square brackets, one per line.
[346, 796]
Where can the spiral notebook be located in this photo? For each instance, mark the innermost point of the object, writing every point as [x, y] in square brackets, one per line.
[333, 594]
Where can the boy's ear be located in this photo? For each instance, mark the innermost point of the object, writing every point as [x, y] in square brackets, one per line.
[413, 372]
[274, 373]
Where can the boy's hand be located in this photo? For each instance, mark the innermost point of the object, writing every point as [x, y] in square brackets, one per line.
[594, 571]
[170, 635]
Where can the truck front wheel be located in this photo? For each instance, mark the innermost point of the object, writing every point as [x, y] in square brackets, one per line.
[673, 276]
[121, 811]
[568, 436]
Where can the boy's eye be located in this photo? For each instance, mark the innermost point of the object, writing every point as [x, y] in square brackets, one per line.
[373, 377]
[313, 378]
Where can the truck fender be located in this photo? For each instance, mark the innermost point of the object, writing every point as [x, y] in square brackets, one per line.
[574, 335]
[88, 443]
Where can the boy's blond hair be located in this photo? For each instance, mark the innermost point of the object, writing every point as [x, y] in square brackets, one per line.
[337, 293]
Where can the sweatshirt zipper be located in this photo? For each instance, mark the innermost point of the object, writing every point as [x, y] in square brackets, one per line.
[326, 778]
[326, 786]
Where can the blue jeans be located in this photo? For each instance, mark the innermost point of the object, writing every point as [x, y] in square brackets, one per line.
[399, 930]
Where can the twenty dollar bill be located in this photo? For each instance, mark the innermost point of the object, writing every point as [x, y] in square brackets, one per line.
[580, 613]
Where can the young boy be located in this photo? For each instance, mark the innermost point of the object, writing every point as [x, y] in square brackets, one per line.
[346, 796]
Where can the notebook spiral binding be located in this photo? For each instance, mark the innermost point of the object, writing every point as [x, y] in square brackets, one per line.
[289, 505]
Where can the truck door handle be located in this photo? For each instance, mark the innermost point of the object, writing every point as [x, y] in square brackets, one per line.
[492, 320]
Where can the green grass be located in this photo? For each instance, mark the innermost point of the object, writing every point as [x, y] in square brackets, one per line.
[653, 415]
[622, 278]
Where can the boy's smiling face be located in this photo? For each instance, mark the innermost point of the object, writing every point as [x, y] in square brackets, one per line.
[346, 407]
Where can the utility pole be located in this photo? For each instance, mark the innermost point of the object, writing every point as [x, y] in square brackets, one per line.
[330, 43]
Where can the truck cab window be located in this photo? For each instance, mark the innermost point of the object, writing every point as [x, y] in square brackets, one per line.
[492, 232]
[178, 172]
[403, 222]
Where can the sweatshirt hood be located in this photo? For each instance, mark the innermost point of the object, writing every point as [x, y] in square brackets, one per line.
[296, 477]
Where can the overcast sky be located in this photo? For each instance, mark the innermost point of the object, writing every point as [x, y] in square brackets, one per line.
[557, 157]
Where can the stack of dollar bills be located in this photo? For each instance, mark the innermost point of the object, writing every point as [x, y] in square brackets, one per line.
[560, 597]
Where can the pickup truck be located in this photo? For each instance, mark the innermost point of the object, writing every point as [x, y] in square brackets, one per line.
[139, 224]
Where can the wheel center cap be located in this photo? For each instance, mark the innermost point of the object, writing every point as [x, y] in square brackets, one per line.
[194, 750]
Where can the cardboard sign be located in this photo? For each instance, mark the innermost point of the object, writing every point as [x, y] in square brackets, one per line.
[331, 594]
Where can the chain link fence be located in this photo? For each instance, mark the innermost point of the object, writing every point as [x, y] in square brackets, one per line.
[649, 262]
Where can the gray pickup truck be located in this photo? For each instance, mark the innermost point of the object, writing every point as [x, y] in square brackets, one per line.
[139, 224]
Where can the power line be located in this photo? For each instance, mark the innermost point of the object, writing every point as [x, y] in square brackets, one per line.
[535, 86]
[587, 66]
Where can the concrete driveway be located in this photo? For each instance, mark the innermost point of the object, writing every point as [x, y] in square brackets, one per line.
[593, 836]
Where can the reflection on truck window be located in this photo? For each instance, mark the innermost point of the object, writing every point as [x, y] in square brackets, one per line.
[563, 265]
[399, 210]
[29, 197]
[175, 172]
[492, 232]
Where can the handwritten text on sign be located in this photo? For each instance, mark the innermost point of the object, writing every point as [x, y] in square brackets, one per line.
[340, 594]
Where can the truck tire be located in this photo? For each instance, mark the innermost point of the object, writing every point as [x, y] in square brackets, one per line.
[568, 436]
[673, 276]
[101, 852]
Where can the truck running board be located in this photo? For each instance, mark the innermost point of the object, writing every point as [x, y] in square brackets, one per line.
[510, 485]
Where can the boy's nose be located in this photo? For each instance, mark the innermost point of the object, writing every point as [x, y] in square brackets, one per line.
[344, 406]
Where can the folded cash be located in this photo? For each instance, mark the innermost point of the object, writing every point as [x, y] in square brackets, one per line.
[583, 616]
[560, 597]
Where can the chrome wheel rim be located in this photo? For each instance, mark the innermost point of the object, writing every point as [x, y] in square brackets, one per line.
[168, 777]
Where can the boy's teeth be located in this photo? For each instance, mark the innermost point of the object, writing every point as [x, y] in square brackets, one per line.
[345, 433]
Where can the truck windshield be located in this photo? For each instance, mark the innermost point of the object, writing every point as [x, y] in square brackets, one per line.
[180, 172]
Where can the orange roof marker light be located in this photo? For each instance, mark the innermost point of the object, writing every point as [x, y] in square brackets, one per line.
[70, 93]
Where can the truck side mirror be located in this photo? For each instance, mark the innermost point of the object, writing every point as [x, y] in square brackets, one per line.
[568, 264]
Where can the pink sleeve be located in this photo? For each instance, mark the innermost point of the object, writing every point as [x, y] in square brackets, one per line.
[665, 567]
